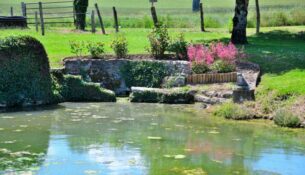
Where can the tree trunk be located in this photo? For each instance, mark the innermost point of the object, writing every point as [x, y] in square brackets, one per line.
[239, 34]
[80, 9]
[258, 17]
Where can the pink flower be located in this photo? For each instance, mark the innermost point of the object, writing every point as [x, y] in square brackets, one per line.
[199, 54]
[225, 52]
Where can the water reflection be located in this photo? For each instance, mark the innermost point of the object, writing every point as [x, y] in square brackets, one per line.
[107, 138]
[93, 159]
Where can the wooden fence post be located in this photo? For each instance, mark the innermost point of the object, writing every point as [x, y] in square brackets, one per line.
[100, 18]
[116, 22]
[201, 18]
[93, 22]
[41, 18]
[23, 9]
[258, 17]
[36, 20]
[154, 16]
[12, 11]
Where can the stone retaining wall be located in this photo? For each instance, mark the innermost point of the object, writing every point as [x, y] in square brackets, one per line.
[107, 72]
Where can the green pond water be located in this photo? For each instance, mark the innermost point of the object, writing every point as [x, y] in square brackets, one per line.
[138, 139]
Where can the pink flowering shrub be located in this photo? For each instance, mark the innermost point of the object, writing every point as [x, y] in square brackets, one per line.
[224, 52]
[200, 54]
[227, 53]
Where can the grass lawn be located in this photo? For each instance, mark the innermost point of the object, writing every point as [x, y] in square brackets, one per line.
[279, 51]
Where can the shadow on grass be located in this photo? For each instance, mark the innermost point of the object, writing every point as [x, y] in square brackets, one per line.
[276, 52]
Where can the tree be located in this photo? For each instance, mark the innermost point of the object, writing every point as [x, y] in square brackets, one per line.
[258, 16]
[239, 34]
[80, 8]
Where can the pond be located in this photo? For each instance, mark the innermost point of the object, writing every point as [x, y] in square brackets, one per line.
[123, 138]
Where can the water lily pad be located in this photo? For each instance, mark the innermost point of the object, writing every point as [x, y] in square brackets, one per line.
[217, 161]
[188, 150]
[76, 120]
[4, 151]
[117, 121]
[179, 156]
[18, 130]
[213, 132]
[154, 138]
[9, 142]
[23, 126]
[237, 139]
[168, 156]
[90, 172]
[7, 117]
[99, 117]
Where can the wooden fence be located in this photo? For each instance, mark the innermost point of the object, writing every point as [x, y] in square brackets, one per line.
[212, 78]
[41, 14]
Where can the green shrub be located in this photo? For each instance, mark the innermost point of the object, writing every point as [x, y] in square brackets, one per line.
[179, 47]
[145, 97]
[120, 46]
[199, 68]
[74, 89]
[232, 111]
[24, 73]
[77, 48]
[171, 96]
[177, 97]
[95, 49]
[285, 118]
[221, 66]
[159, 41]
[143, 73]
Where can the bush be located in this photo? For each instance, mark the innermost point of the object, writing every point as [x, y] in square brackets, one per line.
[222, 66]
[199, 68]
[119, 46]
[77, 48]
[146, 96]
[170, 96]
[232, 111]
[143, 73]
[96, 49]
[285, 118]
[179, 47]
[25, 74]
[74, 89]
[159, 41]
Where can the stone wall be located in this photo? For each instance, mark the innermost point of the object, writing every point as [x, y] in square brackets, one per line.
[107, 72]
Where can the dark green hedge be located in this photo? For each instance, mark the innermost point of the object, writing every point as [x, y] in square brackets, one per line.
[73, 89]
[24, 73]
[144, 73]
[162, 96]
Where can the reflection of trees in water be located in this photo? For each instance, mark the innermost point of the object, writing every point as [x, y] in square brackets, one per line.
[182, 133]
[24, 139]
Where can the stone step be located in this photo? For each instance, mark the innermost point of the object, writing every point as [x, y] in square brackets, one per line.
[209, 100]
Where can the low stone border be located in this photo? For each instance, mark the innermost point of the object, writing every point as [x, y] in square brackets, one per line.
[212, 78]
[156, 95]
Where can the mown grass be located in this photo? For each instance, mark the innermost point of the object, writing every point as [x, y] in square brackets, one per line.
[178, 13]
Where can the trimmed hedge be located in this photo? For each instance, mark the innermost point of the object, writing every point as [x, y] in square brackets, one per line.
[24, 73]
[74, 89]
[143, 73]
[153, 95]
